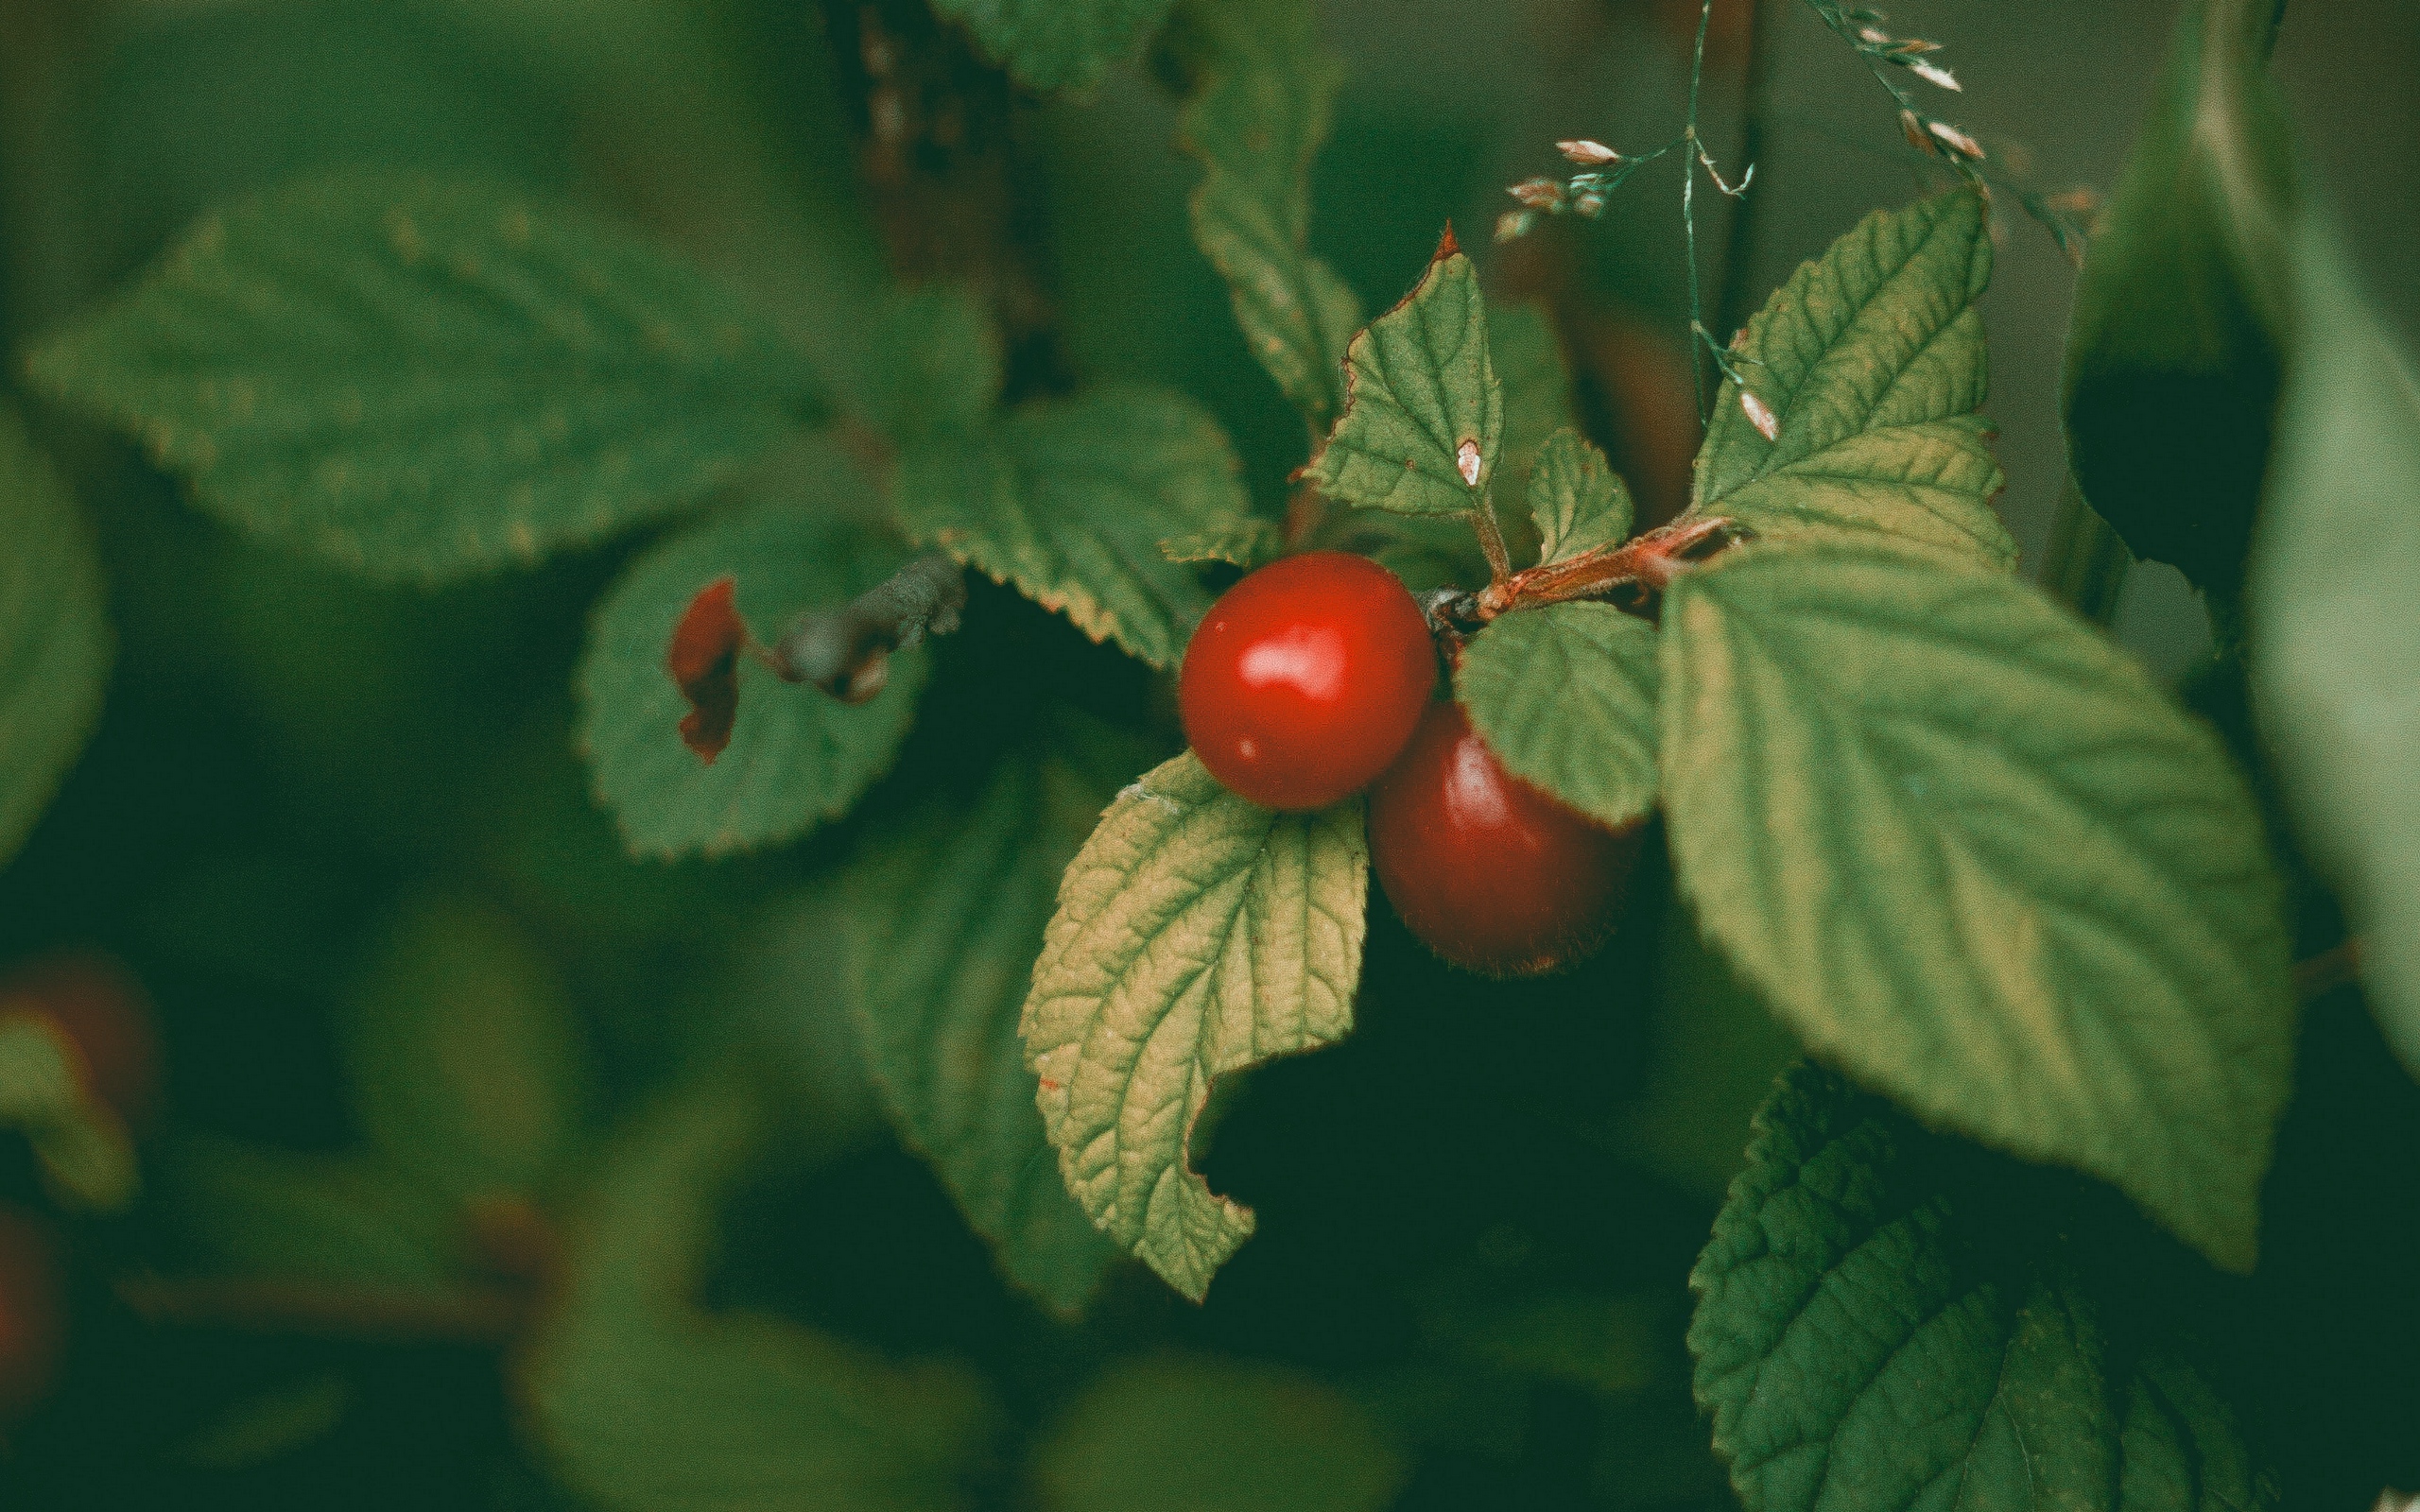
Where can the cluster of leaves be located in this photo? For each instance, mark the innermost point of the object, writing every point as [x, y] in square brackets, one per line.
[1967, 852]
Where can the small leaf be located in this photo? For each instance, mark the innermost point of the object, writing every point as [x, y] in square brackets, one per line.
[334, 1221]
[467, 1066]
[1068, 500]
[2173, 357]
[1256, 118]
[1970, 852]
[1580, 502]
[1245, 543]
[1196, 935]
[936, 366]
[1056, 45]
[86, 1153]
[1564, 697]
[427, 380]
[55, 642]
[704, 661]
[1870, 361]
[642, 1402]
[946, 913]
[1875, 1330]
[2335, 570]
[1180, 1434]
[1421, 385]
[796, 756]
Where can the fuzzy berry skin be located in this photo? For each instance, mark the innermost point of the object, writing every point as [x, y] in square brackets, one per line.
[32, 1317]
[1306, 678]
[1491, 874]
[97, 1003]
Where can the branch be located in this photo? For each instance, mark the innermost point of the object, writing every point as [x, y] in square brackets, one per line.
[846, 651]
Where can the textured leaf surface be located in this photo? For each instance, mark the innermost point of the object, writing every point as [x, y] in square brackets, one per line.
[1871, 1333]
[1245, 543]
[1966, 848]
[2172, 360]
[644, 1403]
[947, 913]
[1196, 934]
[1577, 499]
[937, 364]
[1871, 358]
[467, 1067]
[1049, 44]
[796, 757]
[55, 642]
[1258, 113]
[1069, 500]
[426, 380]
[1421, 385]
[2335, 581]
[1181, 1434]
[1565, 697]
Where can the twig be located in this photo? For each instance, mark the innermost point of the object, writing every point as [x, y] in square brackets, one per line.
[846, 651]
[2328, 970]
[1730, 312]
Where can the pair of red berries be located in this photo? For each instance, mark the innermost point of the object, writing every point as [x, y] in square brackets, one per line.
[1313, 679]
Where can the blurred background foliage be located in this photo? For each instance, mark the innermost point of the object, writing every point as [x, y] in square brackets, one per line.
[312, 796]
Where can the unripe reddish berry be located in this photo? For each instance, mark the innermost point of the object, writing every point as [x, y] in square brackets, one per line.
[99, 1006]
[1306, 680]
[1490, 872]
[32, 1320]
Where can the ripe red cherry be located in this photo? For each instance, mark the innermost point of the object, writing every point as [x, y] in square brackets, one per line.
[1493, 875]
[32, 1320]
[1306, 678]
[100, 1007]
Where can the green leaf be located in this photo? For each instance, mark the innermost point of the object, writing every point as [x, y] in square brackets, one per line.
[643, 1402]
[1564, 697]
[55, 642]
[1196, 935]
[467, 1067]
[797, 757]
[937, 364]
[947, 912]
[425, 380]
[1872, 1330]
[1259, 112]
[1188, 1433]
[2172, 364]
[1420, 386]
[2335, 570]
[335, 1221]
[1872, 359]
[1052, 45]
[1580, 502]
[1972, 853]
[1068, 500]
[86, 1153]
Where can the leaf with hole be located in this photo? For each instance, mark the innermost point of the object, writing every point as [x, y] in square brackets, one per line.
[427, 380]
[1870, 358]
[1977, 858]
[1195, 936]
[797, 757]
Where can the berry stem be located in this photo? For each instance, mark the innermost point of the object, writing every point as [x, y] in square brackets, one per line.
[1649, 562]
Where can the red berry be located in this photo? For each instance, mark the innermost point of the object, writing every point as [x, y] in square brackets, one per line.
[32, 1320]
[100, 1007]
[1495, 875]
[1306, 678]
